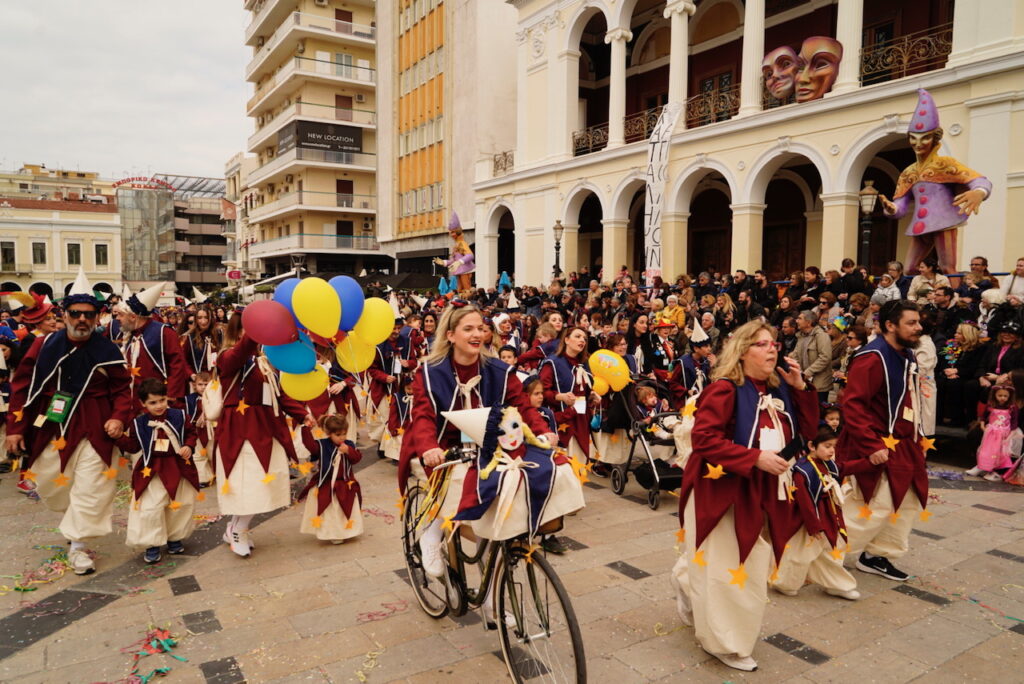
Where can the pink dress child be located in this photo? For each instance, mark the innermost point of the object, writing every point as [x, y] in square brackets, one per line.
[994, 452]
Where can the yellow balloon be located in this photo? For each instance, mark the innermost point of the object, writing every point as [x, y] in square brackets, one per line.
[601, 386]
[376, 323]
[354, 355]
[306, 386]
[610, 367]
[317, 306]
[620, 383]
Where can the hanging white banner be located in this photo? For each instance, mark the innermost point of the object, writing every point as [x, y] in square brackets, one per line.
[657, 177]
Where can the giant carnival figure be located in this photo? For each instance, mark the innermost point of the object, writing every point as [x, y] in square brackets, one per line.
[460, 262]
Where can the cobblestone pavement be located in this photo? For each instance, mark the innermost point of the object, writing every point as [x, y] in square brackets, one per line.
[300, 610]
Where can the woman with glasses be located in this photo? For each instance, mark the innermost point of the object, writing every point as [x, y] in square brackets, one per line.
[732, 486]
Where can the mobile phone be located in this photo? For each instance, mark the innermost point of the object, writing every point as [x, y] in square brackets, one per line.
[793, 449]
[781, 363]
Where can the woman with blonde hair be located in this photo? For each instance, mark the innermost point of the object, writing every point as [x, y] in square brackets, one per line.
[731, 487]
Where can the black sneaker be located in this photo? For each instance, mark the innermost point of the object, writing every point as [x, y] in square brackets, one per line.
[879, 565]
[553, 544]
[175, 547]
[600, 469]
[152, 555]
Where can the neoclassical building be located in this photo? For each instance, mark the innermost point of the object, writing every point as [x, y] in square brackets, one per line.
[752, 182]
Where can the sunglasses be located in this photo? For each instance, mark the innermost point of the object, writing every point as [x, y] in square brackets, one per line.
[88, 315]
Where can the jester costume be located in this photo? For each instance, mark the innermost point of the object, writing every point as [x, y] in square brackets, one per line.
[333, 497]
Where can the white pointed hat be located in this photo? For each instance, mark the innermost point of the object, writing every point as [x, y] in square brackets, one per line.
[126, 292]
[81, 291]
[473, 422]
[698, 336]
[420, 301]
[362, 273]
[512, 303]
[393, 301]
[198, 296]
[143, 303]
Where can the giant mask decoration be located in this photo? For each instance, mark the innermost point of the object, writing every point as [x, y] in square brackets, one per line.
[779, 69]
[819, 67]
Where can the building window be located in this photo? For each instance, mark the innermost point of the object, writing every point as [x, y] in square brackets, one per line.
[102, 255]
[39, 253]
[74, 254]
[6, 256]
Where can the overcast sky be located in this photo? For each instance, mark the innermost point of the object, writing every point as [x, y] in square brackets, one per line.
[123, 86]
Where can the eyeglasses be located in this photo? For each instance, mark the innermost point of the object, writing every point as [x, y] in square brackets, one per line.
[767, 344]
[78, 313]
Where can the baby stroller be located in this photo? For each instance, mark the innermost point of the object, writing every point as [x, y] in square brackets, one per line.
[651, 468]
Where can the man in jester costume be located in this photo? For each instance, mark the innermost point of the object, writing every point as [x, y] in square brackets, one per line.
[943, 192]
[881, 407]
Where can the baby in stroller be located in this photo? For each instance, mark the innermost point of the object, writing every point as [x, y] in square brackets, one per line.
[651, 433]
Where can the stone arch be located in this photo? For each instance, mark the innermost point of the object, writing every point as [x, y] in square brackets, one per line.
[574, 200]
[494, 214]
[579, 22]
[623, 195]
[103, 287]
[41, 288]
[764, 169]
[10, 286]
[645, 36]
[810, 200]
[863, 151]
[708, 7]
[681, 194]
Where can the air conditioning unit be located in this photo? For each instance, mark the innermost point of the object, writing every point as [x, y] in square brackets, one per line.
[301, 48]
[270, 188]
[259, 120]
[367, 227]
[360, 97]
[289, 178]
[260, 41]
[320, 3]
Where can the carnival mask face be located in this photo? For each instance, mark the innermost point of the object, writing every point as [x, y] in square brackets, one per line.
[510, 435]
[779, 69]
[819, 67]
[923, 143]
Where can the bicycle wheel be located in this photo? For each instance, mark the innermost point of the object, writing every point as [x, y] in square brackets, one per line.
[540, 638]
[430, 591]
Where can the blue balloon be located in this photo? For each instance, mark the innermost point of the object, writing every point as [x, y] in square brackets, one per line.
[350, 294]
[283, 295]
[298, 357]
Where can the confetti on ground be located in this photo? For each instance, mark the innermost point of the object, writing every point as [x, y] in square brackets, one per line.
[369, 662]
[155, 642]
[383, 515]
[945, 474]
[42, 608]
[389, 609]
[52, 569]
[204, 521]
[975, 601]
[124, 493]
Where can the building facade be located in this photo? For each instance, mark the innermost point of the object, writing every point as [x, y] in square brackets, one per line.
[441, 116]
[52, 222]
[239, 232]
[314, 106]
[751, 181]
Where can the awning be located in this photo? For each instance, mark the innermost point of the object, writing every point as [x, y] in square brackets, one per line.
[420, 253]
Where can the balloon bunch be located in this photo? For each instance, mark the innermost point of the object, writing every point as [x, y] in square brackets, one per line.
[610, 371]
[331, 313]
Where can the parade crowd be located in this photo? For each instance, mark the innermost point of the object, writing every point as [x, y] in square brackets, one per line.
[796, 418]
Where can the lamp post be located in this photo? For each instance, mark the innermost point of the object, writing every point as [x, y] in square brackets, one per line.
[868, 197]
[559, 229]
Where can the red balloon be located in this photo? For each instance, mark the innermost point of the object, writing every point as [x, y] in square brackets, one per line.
[269, 322]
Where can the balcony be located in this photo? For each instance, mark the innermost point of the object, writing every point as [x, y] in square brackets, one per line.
[306, 200]
[907, 55]
[324, 159]
[313, 242]
[305, 69]
[590, 139]
[11, 268]
[300, 25]
[712, 106]
[265, 15]
[311, 112]
[639, 126]
[504, 162]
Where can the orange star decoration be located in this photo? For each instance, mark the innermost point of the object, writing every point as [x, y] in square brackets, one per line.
[689, 409]
[348, 525]
[58, 443]
[242, 406]
[680, 535]
[110, 473]
[714, 472]
[775, 575]
[401, 431]
[563, 427]
[306, 467]
[893, 517]
[147, 471]
[225, 489]
[61, 480]
[19, 416]
[316, 522]
[698, 559]
[200, 496]
[927, 444]
[836, 553]
[864, 512]
[529, 553]
[614, 439]
[890, 442]
[28, 475]
[174, 505]
[268, 478]
[385, 437]
[401, 504]
[136, 371]
[318, 433]
[925, 515]
[202, 451]
[122, 462]
[739, 576]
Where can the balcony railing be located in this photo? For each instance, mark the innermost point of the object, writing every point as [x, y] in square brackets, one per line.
[315, 199]
[303, 154]
[310, 21]
[639, 126]
[504, 162]
[590, 139]
[313, 242]
[712, 106]
[314, 111]
[318, 67]
[20, 269]
[906, 55]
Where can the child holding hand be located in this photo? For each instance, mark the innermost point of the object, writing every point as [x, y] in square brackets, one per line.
[333, 496]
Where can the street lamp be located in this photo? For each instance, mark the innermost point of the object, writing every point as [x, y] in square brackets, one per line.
[868, 196]
[559, 230]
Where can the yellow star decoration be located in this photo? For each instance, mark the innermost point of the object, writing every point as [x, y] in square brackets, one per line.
[714, 472]
[225, 489]
[200, 496]
[864, 512]
[689, 409]
[836, 553]
[214, 384]
[449, 523]
[351, 484]
[318, 433]
[268, 478]
[61, 480]
[110, 473]
[58, 443]
[401, 504]
[890, 442]
[292, 433]
[385, 437]
[842, 531]
[28, 475]
[680, 535]
[927, 444]
[893, 518]
[775, 575]
[136, 371]
[174, 505]
[348, 525]
[316, 522]
[147, 471]
[305, 467]
[401, 431]
[19, 416]
[925, 515]
[698, 559]
[739, 576]
[787, 547]
[242, 406]
[529, 553]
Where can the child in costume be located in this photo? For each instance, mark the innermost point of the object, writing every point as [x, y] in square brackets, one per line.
[814, 552]
[1000, 418]
[333, 498]
[164, 480]
[399, 420]
[196, 417]
[832, 416]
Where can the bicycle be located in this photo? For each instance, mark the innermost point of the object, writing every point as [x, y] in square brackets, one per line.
[540, 637]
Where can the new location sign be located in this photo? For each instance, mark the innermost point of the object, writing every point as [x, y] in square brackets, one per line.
[320, 136]
[234, 275]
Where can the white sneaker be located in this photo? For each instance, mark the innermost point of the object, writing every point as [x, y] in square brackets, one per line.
[734, 661]
[431, 557]
[994, 477]
[974, 472]
[851, 595]
[239, 542]
[80, 562]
